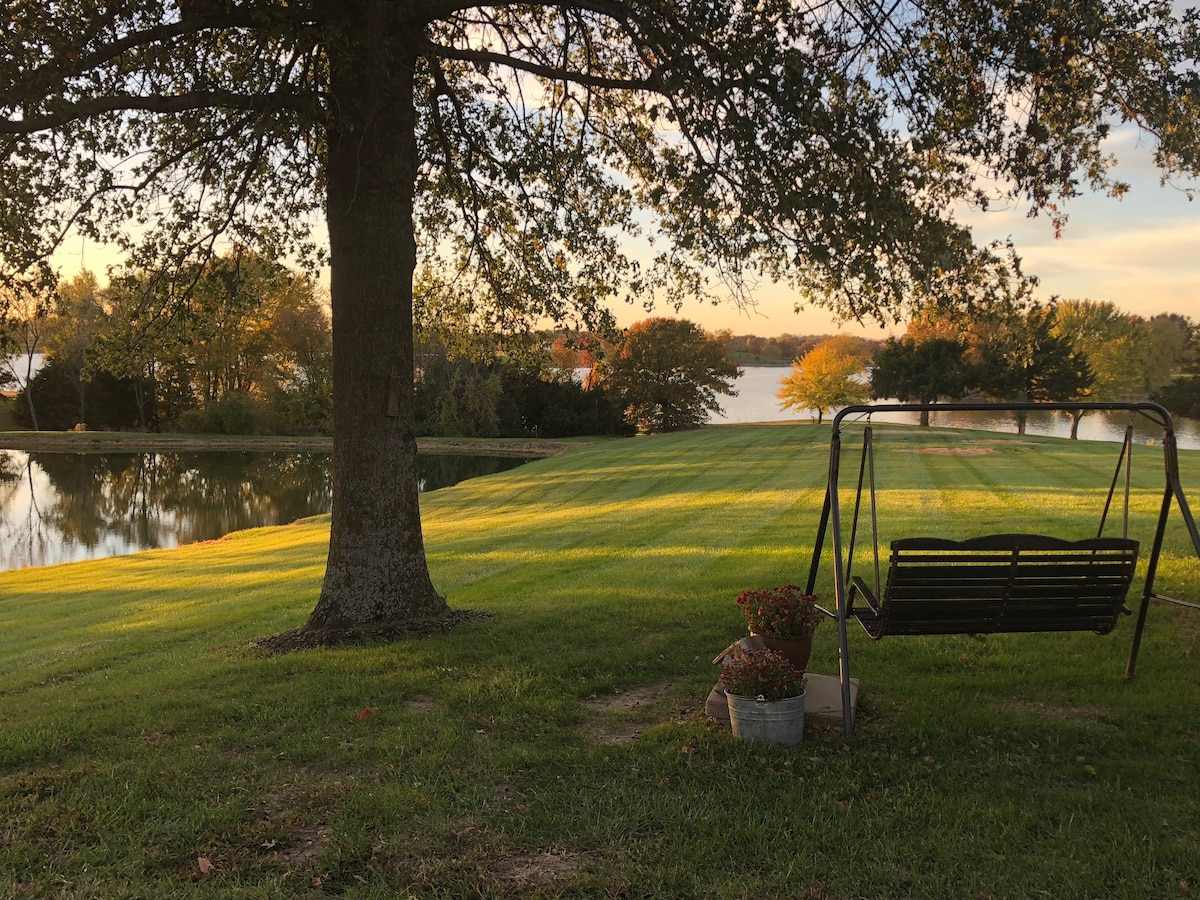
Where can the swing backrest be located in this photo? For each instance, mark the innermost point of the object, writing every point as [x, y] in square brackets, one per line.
[1003, 583]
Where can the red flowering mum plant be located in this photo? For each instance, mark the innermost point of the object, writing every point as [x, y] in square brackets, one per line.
[780, 612]
[762, 674]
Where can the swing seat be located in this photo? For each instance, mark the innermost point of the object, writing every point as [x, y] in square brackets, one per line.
[999, 583]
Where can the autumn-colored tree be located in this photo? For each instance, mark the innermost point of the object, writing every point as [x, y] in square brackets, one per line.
[666, 374]
[828, 376]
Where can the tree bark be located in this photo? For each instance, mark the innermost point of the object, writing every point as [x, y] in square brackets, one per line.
[376, 570]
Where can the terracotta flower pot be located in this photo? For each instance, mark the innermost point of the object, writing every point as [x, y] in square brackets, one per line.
[797, 650]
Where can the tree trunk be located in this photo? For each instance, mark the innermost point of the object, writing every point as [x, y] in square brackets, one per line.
[376, 570]
[1076, 415]
[28, 389]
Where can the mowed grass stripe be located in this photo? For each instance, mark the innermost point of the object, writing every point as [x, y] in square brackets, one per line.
[561, 738]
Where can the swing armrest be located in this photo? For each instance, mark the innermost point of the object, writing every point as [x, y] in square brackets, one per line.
[857, 585]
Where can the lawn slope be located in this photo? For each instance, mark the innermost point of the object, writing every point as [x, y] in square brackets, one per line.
[558, 749]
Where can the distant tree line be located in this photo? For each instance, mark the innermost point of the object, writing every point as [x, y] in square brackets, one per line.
[659, 374]
[753, 350]
[251, 353]
[1061, 351]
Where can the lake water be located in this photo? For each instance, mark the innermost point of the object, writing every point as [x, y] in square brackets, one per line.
[758, 385]
[65, 507]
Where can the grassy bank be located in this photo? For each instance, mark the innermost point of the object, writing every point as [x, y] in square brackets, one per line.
[558, 749]
[130, 442]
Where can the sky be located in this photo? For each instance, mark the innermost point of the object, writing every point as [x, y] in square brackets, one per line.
[1141, 253]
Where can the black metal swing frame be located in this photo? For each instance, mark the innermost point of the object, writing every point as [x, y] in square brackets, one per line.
[1000, 583]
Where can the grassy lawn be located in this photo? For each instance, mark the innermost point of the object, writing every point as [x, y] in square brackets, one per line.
[558, 749]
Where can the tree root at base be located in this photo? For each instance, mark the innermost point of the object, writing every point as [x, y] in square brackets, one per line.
[306, 638]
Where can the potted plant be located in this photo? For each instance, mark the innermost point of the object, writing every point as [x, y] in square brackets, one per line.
[765, 695]
[785, 618]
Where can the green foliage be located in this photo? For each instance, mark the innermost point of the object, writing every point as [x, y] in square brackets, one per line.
[232, 413]
[1116, 345]
[468, 408]
[1181, 396]
[1025, 360]
[666, 374]
[921, 371]
[814, 169]
[60, 397]
[534, 406]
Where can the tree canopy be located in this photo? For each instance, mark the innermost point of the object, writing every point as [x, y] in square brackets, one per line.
[666, 374]
[510, 147]
[827, 376]
[921, 371]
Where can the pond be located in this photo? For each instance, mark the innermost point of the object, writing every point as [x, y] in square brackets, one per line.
[64, 507]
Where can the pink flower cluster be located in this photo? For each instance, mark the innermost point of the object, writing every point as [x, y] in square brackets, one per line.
[780, 612]
[763, 673]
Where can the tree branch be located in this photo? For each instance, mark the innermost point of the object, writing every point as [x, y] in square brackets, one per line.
[614, 9]
[175, 103]
[554, 73]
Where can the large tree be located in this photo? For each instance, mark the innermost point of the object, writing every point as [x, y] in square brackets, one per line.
[924, 371]
[509, 146]
[1023, 359]
[666, 374]
[1116, 345]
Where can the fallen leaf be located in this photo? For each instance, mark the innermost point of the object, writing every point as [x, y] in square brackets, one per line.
[206, 865]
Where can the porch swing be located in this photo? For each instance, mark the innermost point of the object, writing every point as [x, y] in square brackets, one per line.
[996, 583]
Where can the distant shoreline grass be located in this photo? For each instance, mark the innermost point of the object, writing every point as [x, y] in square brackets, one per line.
[94, 441]
[558, 749]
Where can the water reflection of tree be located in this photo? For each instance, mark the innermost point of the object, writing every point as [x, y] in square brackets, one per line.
[113, 503]
[24, 534]
[160, 499]
[443, 471]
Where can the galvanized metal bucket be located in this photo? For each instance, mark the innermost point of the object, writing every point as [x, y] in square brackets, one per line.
[768, 722]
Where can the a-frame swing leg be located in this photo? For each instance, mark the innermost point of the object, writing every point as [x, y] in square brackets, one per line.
[1151, 570]
[1174, 489]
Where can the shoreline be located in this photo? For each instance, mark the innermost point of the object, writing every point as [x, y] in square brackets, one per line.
[134, 442]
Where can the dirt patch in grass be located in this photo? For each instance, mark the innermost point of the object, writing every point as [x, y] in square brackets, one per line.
[537, 867]
[1186, 619]
[621, 716]
[952, 451]
[376, 633]
[299, 844]
[1089, 715]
